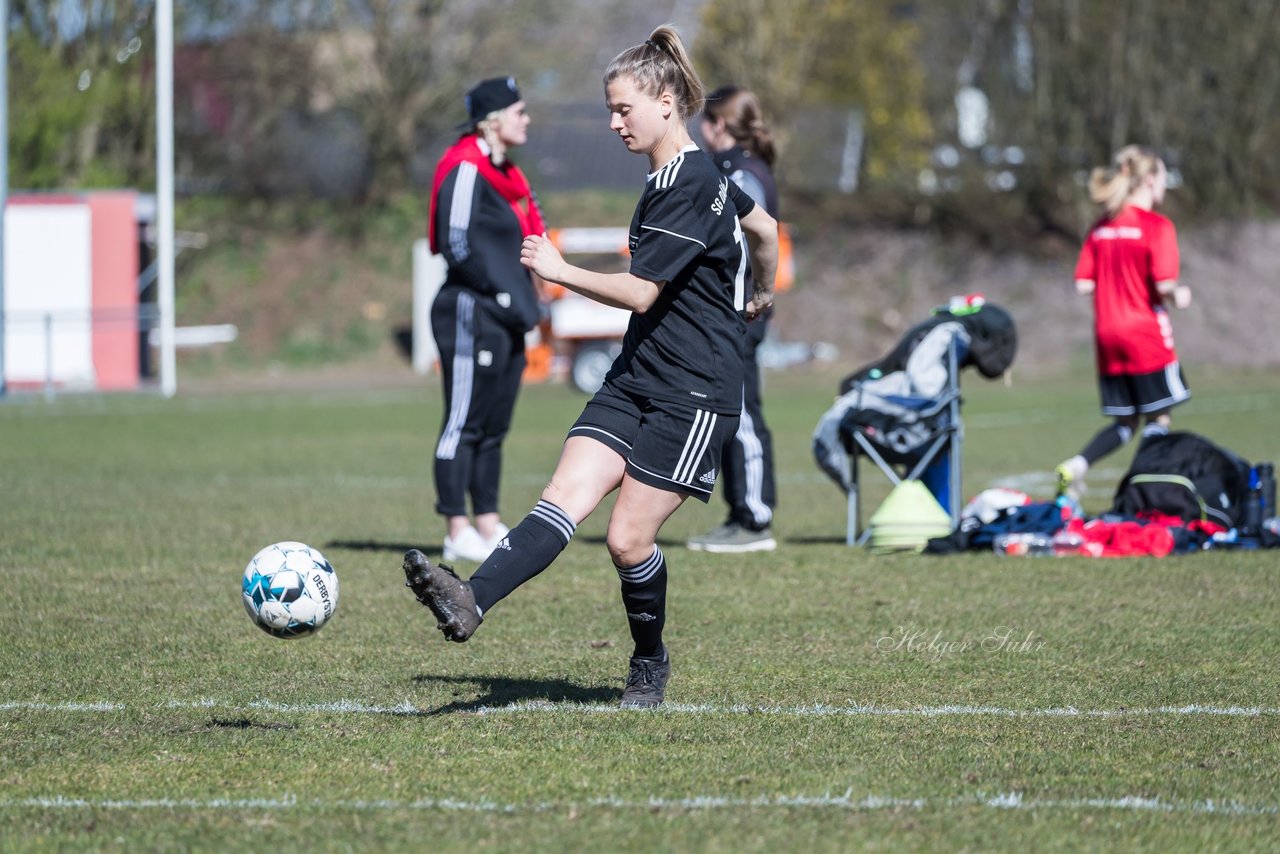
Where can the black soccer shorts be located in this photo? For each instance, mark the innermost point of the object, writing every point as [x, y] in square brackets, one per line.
[1133, 394]
[669, 446]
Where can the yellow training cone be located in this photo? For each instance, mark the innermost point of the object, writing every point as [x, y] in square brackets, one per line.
[907, 519]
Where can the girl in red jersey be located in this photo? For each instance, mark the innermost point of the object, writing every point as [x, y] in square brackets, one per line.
[1129, 265]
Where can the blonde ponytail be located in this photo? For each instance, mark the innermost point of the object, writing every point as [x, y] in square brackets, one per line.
[1110, 186]
[660, 65]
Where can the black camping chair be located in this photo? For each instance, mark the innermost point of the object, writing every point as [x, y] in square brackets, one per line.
[904, 439]
[903, 448]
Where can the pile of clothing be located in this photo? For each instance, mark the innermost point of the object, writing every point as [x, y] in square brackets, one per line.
[1182, 494]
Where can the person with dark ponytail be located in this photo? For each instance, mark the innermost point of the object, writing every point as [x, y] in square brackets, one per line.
[741, 145]
[1129, 266]
[654, 431]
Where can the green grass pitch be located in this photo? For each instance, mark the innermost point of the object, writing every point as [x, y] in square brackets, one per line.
[823, 698]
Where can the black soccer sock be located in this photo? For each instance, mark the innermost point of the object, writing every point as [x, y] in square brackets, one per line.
[1107, 440]
[528, 548]
[644, 596]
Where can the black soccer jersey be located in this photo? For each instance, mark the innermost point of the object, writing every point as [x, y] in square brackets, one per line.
[687, 348]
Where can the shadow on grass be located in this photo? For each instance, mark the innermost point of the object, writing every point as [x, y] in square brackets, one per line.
[245, 723]
[668, 543]
[498, 691]
[598, 540]
[837, 540]
[432, 551]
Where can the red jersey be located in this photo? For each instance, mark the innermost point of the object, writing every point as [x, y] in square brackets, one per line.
[1125, 256]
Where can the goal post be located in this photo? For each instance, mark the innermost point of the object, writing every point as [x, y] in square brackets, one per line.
[165, 250]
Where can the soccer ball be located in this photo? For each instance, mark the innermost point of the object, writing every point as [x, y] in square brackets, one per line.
[290, 590]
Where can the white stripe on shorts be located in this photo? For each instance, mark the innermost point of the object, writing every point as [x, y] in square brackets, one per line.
[1173, 376]
[695, 445]
[1178, 392]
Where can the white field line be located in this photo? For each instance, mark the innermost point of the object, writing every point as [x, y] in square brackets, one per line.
[857, 710]
[1006, 801]
[62, 707]
[354, 707]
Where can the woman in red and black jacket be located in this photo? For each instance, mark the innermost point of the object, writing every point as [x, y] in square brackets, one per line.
[481, 209]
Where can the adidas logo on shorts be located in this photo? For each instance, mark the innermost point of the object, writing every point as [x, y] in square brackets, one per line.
[709, 478]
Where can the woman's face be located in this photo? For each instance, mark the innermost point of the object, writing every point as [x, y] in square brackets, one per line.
[714, 133]
[512, 125]
[640, 120]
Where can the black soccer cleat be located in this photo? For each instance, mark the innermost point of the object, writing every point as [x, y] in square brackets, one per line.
[646, 682]
[448, 596]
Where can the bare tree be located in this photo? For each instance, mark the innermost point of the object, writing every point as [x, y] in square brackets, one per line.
[81, 116]
[1071, 81]
[839, 54]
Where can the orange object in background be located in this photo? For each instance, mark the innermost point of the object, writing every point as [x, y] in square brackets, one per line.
[538, 366]
[786, 275]
[115, 289]
[539, 357]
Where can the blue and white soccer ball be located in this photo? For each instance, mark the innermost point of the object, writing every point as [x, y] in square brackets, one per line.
[290, 590]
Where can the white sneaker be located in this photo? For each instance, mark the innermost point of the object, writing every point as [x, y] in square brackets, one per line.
[498, 534]
[468, 545]
[1071, 477]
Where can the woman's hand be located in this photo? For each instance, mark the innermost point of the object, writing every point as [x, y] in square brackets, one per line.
[758, 305]
[1181, 296]
[542, 257]
[1170, 289]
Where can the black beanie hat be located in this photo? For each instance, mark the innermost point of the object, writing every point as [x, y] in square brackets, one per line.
[485, 97]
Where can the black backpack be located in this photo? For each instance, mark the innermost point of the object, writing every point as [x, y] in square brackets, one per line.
[1184, 475]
